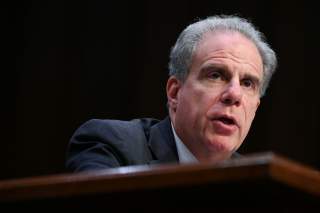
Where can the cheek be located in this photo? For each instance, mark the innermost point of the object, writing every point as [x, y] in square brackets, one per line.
[250, 114]
[196, 102]
[186, 107]
[192, 108]
[193, 98]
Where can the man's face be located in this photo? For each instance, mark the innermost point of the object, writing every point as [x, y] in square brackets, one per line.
[212, 110]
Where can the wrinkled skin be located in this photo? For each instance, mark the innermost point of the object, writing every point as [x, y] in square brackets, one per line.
[213, 108]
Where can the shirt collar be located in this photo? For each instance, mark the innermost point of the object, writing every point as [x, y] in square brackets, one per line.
[184, 154]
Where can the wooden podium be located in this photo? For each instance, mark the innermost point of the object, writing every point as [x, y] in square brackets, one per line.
[262, 182]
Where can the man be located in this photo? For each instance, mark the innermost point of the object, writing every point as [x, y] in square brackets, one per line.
[219, 69]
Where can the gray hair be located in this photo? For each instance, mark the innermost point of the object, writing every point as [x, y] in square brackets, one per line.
[182, 52]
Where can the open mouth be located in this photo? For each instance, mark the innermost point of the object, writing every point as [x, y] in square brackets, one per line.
[224, 124]
[226, 120]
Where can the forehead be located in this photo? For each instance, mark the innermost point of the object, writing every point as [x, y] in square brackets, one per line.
[225, 44]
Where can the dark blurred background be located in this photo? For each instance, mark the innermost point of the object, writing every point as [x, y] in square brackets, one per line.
[66, 62]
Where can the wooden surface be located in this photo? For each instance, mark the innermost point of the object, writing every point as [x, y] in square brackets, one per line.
[262, 175]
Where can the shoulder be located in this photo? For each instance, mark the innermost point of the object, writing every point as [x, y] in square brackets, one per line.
[101, 124]
[116, 128]
[102, 143]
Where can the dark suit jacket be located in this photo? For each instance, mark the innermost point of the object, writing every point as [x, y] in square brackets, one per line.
[101, 144]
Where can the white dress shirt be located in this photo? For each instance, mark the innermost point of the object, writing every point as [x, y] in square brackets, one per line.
[184, 154]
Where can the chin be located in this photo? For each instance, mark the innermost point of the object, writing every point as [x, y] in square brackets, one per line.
[221, 145]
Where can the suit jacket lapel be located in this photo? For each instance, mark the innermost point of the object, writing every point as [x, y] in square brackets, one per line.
[161, 143]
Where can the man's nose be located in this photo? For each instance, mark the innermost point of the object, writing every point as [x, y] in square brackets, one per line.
[232, 95]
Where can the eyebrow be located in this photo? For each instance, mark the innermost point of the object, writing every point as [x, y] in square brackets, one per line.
[223, 68]
[217, 67]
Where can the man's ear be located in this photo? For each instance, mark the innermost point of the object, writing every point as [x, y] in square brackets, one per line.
[173, 87]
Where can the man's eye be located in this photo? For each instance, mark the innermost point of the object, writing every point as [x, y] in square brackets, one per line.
[215, 75]
[248, 83]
